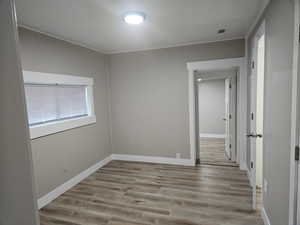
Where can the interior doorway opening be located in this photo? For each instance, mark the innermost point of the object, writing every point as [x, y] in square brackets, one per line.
[216, 101]
[239, 65]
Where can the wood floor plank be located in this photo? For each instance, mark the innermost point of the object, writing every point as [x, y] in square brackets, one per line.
[212, 151]
[133, 193]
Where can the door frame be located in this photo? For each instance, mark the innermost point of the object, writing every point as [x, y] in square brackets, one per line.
[213, 65]
[295, 120]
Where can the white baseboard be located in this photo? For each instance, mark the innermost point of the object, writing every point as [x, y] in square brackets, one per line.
[151, 159]
[265, 217]
[46, 199]
[202, 135]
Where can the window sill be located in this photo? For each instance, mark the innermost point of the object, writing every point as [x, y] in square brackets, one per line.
[59, 126]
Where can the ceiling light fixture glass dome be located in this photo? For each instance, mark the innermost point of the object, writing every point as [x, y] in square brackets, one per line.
[134, 18]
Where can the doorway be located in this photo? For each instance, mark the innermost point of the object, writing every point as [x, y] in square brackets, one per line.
[239, 65]
[256, 133]
[216, 117]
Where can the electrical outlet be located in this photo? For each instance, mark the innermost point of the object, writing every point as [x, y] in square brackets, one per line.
[178, 155]
[265, 186]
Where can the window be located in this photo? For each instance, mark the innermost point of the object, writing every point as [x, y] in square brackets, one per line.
[48, 103]
[57, 102]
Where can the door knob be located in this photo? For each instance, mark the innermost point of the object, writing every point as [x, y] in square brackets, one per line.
[249, 135]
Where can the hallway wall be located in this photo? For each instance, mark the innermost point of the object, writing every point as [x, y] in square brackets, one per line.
[279, 18]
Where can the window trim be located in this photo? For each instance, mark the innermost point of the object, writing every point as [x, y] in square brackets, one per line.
[45, 129]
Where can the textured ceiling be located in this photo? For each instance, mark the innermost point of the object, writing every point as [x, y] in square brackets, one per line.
[98, 24]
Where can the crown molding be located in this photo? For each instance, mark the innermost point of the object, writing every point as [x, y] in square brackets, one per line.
[175, 45]
[128, 50]
[62, 39]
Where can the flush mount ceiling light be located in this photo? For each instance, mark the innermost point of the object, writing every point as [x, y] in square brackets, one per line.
[199, 79]
[134, 18]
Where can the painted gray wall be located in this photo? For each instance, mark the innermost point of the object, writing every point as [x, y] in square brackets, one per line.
[149, 97]
[59, 157]
[277, 125]
[17, 189]
[211, 103]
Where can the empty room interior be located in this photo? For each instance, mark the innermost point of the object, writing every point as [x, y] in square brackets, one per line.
[149, 112]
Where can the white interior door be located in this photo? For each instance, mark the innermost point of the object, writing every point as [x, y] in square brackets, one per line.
[253, 85]
[256, 112]
[227, 117]
[232, 118]
[294, 217]
[298, 188]
[230, 114]
[260, 71]
[256, 118]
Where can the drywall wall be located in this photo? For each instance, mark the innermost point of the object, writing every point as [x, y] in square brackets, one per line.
[149, 97]
[17, 190]
[211, 103]
[59, 157]
[277, 124]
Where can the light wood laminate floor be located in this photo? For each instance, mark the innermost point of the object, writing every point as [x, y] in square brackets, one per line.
[131, 193]
[212, 152]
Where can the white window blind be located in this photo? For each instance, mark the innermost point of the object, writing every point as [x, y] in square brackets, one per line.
[58, 102]
[50, 103]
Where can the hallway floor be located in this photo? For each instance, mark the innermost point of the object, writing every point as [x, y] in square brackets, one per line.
[131, 193]
[212, 152]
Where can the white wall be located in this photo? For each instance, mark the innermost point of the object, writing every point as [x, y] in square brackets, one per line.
[211, 103]
[149, 97]
[87, 145]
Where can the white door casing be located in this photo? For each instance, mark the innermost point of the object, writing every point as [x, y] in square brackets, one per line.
[260, 111]
[232, 119]
[213, 65]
